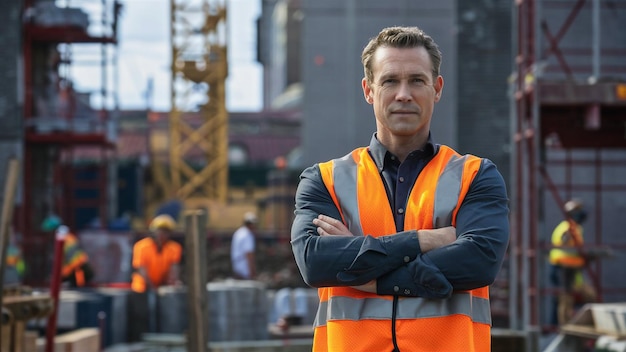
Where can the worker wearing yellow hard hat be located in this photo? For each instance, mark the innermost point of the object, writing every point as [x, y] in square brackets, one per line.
[156, 257]
[155, 264]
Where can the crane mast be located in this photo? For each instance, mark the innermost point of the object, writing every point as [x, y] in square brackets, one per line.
[197, 152]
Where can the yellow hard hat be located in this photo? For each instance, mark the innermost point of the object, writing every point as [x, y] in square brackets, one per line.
[162, 221]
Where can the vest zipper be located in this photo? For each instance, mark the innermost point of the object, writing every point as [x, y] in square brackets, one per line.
[393, 324]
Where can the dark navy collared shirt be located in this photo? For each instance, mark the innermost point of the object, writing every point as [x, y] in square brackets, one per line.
[395, 260]
[400, 177]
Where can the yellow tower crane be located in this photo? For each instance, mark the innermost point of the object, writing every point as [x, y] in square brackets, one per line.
[197, 147]
[199, 71]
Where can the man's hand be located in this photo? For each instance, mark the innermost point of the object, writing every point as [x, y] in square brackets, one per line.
[327, 226]
[435, 238]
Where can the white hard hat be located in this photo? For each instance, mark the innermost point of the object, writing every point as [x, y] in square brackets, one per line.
[249, 218]
[62, 231]
[573, 204]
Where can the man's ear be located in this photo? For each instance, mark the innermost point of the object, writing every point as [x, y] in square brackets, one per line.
[367, 91]
[438, 88]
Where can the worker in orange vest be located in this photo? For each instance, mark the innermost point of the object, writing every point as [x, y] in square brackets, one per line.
[155, 263]
[404, 236]
[156, 257]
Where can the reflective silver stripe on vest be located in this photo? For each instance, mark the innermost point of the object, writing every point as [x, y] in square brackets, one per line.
[344, 175]
[70, 253]
[446, 197]
[348, 308]
[446, 194]
[448, 191]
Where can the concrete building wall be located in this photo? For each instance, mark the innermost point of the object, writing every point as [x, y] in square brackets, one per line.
[484, 65]
[279, 46]
[10, 89]
[336, 118]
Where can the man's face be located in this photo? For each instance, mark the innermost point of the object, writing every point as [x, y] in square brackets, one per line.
[402, 92]
[162, 235]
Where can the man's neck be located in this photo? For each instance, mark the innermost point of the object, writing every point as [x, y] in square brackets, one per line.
[401, 147]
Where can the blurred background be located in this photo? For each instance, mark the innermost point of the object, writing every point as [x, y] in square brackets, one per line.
[117, 109]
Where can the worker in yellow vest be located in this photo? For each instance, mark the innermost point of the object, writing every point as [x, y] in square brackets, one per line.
[566, 258]
[76, 270]
[14, 266]
[404, 236]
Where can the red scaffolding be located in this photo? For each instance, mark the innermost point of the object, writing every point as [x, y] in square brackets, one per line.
[62, 126]
[569, 137]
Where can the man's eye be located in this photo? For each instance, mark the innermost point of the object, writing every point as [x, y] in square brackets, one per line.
[418, 81]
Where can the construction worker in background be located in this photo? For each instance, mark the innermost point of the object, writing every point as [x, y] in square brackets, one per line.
[242, 249]
[155, 262]
[404, 236]
[156, 258]
[76, 270]
[567, 261]
[14, 267]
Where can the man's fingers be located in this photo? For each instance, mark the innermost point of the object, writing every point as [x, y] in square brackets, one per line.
[330, 226]
[334, 226]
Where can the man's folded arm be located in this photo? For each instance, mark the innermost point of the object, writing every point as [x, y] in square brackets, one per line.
[341, 260]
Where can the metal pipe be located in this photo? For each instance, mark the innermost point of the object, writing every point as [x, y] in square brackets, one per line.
[595, 39]
[55, 287]
[598, 230]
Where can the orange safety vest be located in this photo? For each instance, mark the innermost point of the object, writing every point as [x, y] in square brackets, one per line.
[353, 320]
[73, 260]
[568, 255]
[156, 262]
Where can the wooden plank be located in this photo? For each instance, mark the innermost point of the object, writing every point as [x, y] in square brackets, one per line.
[580, 330]
[80, 340]
[13, 336]
[30, 340]
[85, 339]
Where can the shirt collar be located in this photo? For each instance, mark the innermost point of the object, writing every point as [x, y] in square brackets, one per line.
[378, 151]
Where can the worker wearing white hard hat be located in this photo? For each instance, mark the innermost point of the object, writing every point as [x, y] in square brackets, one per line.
[76, 271]
[567, 260]
[242, 248]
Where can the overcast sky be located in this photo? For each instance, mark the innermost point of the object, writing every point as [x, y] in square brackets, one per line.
[144, 54]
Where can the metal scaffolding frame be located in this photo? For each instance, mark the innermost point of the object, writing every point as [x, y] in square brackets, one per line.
[60, 126]
[552, 107]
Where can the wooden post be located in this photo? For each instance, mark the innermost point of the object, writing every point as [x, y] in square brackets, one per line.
[7, 213]
[195, 268]
[5, 219]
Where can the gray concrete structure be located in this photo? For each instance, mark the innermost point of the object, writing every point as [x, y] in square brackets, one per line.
[279, 49]
[336, 118]
[485, 62]
[11, 88]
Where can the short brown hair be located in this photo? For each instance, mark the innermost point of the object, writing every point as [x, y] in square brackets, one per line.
[401, 37]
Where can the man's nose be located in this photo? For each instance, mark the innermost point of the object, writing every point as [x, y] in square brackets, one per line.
[404, 92]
